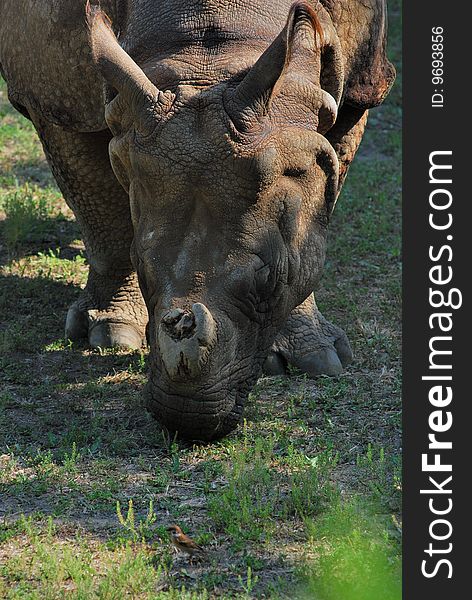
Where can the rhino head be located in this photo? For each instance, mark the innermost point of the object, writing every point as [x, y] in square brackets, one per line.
[231, 187]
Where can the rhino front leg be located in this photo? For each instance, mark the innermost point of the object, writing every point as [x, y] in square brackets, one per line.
[110, 310]
[310, 343]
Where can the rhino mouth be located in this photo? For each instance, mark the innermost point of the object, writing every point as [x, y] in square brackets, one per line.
[194, 418]
[203, 414]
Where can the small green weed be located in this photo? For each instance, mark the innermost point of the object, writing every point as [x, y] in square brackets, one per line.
[71, 459]
[50, 265]
[381, 473]
[309, 486]
[136, 530]
[249, 584]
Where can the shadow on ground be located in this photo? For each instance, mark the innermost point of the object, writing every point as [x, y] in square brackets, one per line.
[40, 235]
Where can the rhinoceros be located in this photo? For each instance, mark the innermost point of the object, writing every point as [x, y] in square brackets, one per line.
[202, 145]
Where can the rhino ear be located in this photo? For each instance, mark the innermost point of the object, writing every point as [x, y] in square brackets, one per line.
[302, 39]
[141, 97]
[369, 75]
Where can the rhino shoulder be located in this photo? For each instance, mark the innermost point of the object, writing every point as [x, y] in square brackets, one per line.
[46, 61]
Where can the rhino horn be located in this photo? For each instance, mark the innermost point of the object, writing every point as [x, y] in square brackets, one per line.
[186, 339]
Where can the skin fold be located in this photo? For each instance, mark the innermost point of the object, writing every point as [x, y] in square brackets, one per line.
[202, 145]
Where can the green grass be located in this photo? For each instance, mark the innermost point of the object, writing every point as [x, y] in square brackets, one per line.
[26, 216]
[357, 559]
[302, 501]
[268, 482]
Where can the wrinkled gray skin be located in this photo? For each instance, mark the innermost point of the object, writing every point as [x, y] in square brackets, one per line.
[217, 161]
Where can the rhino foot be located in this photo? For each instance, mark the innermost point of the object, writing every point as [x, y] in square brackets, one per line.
[112, 314]
[310, 343]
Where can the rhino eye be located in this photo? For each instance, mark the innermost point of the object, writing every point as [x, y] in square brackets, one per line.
[262, 276]
[294, 172]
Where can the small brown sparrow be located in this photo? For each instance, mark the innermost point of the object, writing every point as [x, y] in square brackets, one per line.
[183, 543]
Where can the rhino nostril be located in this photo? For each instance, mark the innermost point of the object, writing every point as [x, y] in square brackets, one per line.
[186, 324]
[179, 324]
[172, 316]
